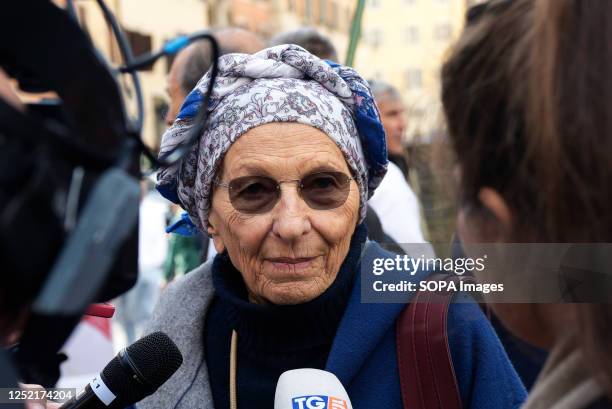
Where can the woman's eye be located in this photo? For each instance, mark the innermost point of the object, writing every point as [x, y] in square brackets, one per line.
[254, 189]
[323, 182]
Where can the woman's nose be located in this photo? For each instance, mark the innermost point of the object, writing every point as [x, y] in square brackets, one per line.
[291, 219]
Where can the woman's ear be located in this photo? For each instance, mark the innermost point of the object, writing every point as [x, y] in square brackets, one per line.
[489, 222]
[213, 233]
[497, 207]
[495, 224]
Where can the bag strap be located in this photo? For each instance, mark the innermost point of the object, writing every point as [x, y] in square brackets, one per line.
[427, 376]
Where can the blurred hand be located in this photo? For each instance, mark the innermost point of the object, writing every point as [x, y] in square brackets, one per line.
[48, 405]
[38, 405]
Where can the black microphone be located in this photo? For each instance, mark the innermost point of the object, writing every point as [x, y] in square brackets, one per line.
[135, 373]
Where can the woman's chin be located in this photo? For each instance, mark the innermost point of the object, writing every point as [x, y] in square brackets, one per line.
[292, 292]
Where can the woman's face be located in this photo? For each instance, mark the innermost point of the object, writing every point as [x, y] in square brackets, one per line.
[292, 253]
[537, 324]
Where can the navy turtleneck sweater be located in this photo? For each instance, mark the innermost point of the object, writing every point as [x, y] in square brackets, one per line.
[271, 339]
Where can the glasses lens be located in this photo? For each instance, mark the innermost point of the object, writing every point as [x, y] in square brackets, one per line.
[325, 190]
[253, 194]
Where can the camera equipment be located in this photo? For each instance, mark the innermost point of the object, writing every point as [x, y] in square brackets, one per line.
[69, 175]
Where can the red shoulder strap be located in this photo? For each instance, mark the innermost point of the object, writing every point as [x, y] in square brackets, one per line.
[427, 376]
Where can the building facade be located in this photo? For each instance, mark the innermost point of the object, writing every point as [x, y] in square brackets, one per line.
[268, 17]
[150, 23]
[404, 43]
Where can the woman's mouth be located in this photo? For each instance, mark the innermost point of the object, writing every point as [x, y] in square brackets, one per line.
[291, 263]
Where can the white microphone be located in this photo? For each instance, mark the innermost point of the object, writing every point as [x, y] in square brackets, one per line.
[310, 389]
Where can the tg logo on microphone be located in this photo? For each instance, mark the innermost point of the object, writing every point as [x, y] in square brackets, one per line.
[318, 402]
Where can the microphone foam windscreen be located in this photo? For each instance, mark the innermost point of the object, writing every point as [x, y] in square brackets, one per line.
[155, 357]
[310, 389]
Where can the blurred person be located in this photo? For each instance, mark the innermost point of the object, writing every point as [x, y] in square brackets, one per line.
[185, 253]
[398, 208]
[393, 115]
[310, 39]
[134, 308]
[191, 63]
[238, 40]
[280, 179]
[526, 95]
[395, 202]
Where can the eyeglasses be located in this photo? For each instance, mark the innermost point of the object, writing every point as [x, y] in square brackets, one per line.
[259, 194]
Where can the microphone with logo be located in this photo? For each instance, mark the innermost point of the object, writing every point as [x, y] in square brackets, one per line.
[310, 389]
[135, 373]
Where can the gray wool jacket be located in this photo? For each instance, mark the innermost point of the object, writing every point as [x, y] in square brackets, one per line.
[184, 304]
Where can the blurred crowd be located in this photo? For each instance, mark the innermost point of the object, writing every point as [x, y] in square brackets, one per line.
[524, 93]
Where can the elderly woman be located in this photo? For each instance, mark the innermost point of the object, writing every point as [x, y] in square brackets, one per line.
[289, 155]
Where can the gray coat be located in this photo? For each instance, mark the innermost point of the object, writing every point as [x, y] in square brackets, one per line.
[180, 313]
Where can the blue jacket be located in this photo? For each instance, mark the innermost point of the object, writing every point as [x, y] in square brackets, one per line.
[364, 357]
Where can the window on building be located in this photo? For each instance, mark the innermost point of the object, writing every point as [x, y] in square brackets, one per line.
[375, 37]
[443, 32]
[349, 17]
[333, 19]
[322, 11]
[412, 34]
[140, 43]
[308, 13]
[416, 111]
[414, 79]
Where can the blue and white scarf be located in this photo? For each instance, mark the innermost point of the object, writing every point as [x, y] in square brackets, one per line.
[284, 83]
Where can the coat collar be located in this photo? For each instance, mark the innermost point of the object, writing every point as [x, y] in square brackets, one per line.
[364, 324]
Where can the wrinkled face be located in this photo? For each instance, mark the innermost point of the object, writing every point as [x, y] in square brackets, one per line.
[392, 112]
[292, 253]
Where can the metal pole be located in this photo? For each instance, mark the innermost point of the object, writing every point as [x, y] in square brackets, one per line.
[355, 33]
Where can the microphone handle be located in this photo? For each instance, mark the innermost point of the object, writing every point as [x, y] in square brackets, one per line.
[85, 399]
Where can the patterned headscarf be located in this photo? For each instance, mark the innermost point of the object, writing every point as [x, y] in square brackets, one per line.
[279, 84]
